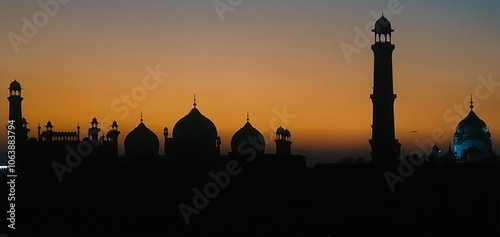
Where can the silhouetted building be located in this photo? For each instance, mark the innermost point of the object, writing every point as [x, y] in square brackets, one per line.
[141, 142]
[94, 130]
[248, 140]
[167, 142]
[194, 137]
[50, 135]
[283, 141]
[112, 136]
[15, 113]
[273, 194]
[52, 144]
[437, 156]
[385, 148]
[472, 140]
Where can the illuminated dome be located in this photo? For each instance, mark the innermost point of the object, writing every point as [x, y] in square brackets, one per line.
[472, 124]
[472, 140]
[141, 142]
[15, 86]
[383, 26]
[246, 135]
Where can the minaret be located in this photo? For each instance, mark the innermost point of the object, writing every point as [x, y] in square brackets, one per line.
[283, 142]
[39, 127]
[15, 99]
[15, 113]
[385, 147]
[94, 130]
[78, 131]
[112, 136]
[165, 141]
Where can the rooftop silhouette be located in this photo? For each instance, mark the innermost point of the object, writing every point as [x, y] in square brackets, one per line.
[71, 182]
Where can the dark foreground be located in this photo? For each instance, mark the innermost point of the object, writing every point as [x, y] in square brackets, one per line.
[135, 199]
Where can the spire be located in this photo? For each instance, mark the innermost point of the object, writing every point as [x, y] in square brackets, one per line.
[471, 103]
[141, 116]
[248, 119]
[194, 98]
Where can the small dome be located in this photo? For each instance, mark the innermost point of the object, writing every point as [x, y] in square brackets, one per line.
[141, 142]
[244, 135]
[287, 133]
[15, 86]
[471, 124]
[280, 130]
[382, 26]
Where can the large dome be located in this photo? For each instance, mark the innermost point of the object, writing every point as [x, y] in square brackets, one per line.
[471, 124]
[246, 135]
[141, 142]
[472, 140]
[194, 126]
[383, 26]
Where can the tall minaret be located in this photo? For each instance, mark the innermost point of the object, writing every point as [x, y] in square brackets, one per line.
[385, 147]
[15, 99]
[15, 113]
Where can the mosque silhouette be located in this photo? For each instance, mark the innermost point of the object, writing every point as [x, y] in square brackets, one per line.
[71, 183]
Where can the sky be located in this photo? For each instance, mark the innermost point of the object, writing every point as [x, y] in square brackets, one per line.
[304, 65]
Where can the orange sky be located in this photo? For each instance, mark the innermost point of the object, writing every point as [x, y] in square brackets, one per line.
[262, 57]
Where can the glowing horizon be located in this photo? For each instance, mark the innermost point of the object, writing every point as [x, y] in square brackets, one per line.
[262, 57]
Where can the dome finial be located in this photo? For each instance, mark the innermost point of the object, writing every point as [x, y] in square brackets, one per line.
[471, 103]
[141, 116]
[194, 99]
[248, 119]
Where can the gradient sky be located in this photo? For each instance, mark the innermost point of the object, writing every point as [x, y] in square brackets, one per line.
[264, 57]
